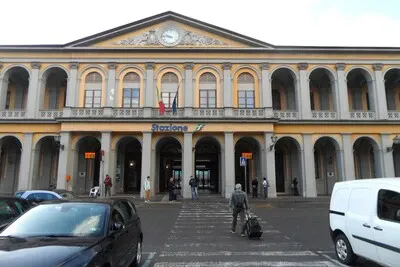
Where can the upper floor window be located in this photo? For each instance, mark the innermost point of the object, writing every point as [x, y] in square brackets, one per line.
[131, 94]
[169, 88]
[246, 96]
[93, 84]
[208, 91]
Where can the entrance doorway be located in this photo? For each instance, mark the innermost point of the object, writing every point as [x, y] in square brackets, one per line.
[170, 162]
[129, 165]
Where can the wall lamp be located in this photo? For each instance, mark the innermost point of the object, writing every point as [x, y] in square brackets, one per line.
[396, 141]
[57, 139]
[274, 138]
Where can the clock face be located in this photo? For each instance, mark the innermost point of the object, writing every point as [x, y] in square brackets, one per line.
[170, 36]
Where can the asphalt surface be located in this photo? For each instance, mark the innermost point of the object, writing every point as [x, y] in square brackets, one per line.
[197, 233]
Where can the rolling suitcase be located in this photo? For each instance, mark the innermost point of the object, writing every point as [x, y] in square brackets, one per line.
[253, 227]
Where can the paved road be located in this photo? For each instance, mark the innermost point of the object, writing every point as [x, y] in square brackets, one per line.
[198, 234]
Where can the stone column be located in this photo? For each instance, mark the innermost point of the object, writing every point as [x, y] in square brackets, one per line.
[110, 92]
[229, 164]
[387, 156]
[380, 93]
[188, 89]
[33, 91]
[25, 167]
[3, 92]
[343, 97]
[269, 163]
[348, 158]
[227, 91]
[146, 162]
[187, 163]
[304, 92]
[266, 91]
[106, 161]
[72, 85]
[65, 162]
[308, 169]
[149, 90]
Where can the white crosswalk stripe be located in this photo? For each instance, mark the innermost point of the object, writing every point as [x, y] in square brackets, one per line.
[201, 236]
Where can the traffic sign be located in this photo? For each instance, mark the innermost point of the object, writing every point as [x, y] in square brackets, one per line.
[243, 161]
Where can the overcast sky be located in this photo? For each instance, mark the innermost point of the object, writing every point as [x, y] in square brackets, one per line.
[279, 22]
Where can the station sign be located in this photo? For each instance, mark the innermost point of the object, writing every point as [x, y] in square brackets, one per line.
[174, 128]
[247, 155]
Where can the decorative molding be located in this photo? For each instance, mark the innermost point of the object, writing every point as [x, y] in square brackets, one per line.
[340, 66]
[150, 65]
[112, 65]
[302, 66]
[226, 65]
[377, 66]
[189, 65]
[264, 66]
[151, 37]
[73, 65]
[35, 65]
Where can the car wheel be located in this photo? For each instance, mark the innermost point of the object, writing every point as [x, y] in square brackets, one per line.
[138, 257]
[344, 251]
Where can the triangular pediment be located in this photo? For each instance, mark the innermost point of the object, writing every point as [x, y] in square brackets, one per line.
[168, 30]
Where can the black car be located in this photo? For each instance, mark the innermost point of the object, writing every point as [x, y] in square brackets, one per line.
[101, 232]
[11, 208]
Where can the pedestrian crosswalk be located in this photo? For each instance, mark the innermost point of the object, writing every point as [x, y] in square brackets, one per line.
[201, 236]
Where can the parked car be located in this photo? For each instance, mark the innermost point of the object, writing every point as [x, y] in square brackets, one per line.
[44, 195]
[11, 208]
[365, 220]
[74, 232]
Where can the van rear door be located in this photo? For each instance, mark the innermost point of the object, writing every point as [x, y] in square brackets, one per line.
[359, 222]
[386, 225]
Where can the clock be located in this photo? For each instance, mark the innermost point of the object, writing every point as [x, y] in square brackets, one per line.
[170, 36]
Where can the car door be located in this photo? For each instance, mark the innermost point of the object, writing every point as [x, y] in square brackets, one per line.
[130, 238]
[359, 222]
[7, 213]
[115, 247]
[386, 226]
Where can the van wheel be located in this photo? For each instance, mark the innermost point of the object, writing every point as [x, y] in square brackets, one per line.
[344, 251]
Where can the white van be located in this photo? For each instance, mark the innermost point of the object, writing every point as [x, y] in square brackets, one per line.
[364, 218]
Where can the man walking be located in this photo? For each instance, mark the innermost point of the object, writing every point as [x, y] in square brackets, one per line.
[147, 188]
[107, 185]
[239, 204]
[254, 184]
[265, 187]
[193, 186]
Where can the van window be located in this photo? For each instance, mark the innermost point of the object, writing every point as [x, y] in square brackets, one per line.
[389, 205]
[360, 202]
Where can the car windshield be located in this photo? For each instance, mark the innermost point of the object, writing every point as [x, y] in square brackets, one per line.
[62, 219]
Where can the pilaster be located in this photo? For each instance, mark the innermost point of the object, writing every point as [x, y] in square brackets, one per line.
[106, 161]
[304, 92]
[146, 162]
[308, 169]
[33, 91]
[343, 97]
[348, 157]
[3, 93]
[25, 167]
[387, 156]
[110, 95]
[65, 162]
[229, 156]
[188, 92]
[71, 100]
[227, 91]
[149, 90]
[187, 163]
[265, 91]
[381, 110]
[269, 164]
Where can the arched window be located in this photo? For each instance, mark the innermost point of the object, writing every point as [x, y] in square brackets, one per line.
[131, 90]
[246, 90]
[169, 88]
[208, 91]
[93, 83]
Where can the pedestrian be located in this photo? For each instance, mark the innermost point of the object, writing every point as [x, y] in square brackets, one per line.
[265, 187]
[295, 182]
[147, 188]
[254, 184]
[107, 185]
[171, 187]
[193, 185]
[239, 205]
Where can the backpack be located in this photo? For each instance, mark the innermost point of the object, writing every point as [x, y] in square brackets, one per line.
[239, 200]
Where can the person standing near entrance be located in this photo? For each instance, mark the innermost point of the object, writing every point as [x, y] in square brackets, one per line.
[147, 188]
[295, 182]
[171, 187]
[265, 187]
[193, 185]
[239, 204]
[254, 184]
[107, 185]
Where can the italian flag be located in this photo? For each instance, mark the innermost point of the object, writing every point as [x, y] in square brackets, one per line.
[161, 105]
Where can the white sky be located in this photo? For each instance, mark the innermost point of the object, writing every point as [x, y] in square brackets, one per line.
[279, 22]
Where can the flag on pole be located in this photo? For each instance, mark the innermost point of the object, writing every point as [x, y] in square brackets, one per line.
[161, 105]
[175, 103]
